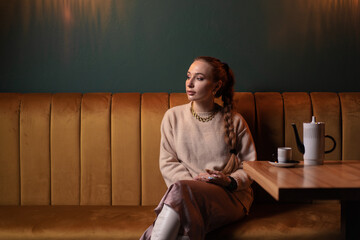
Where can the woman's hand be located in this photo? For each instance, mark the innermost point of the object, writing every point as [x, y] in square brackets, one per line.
[215, 177]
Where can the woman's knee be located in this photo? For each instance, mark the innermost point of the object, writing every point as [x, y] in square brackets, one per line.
[183, 190]
[185, 187]
[183, 183]
[196, 186]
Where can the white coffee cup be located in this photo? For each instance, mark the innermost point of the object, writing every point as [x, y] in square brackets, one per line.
[284, 154]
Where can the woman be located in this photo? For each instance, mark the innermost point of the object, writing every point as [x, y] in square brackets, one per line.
[201, 153]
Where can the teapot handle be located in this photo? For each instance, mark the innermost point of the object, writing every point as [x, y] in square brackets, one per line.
[334, 146]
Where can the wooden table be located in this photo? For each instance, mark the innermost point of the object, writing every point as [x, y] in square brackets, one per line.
[334, 180]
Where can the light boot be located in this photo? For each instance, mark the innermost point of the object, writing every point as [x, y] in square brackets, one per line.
[166, 225]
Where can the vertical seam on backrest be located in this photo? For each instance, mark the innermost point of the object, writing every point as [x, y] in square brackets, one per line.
[110, 147]
[50, 175]
[19, 117]
[341, 126]
[311, 104]
[80, 146]
[168, 104]
[141, 155]
[256, 138]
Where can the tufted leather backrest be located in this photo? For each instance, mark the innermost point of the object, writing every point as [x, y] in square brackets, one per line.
[103, 149]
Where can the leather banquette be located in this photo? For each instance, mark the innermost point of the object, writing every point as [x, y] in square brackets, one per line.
[85, 166]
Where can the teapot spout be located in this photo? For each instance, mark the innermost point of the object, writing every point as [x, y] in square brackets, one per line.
[300, 145]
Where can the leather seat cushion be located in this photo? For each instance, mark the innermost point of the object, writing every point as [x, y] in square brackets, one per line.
[74, 222]
[286, 221]
[266, 221]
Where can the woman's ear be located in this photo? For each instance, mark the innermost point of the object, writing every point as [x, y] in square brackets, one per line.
[218, 85]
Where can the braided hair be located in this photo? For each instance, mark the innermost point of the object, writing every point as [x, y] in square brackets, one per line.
[221, 71]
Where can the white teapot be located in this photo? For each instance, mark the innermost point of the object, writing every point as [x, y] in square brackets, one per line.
[313, 147]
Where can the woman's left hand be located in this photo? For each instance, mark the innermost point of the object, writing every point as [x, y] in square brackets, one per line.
[216, 177]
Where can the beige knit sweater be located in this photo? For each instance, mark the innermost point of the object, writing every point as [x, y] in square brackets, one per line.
[189, 146]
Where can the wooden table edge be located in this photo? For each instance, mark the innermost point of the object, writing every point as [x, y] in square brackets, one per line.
[270, 187]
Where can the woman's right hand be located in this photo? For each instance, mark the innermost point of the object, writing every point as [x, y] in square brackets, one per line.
[203, 177]
[215, 177]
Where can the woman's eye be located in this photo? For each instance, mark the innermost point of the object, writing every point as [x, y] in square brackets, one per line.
[187, 77]
[200, 78]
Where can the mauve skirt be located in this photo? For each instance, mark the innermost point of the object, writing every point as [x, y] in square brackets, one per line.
[202, 207]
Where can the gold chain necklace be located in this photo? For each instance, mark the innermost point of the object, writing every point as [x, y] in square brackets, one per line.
[202, 119]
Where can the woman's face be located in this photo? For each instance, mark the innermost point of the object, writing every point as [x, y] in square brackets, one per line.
[199, 82]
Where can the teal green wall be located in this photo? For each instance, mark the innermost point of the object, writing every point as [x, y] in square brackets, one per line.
[147, 46]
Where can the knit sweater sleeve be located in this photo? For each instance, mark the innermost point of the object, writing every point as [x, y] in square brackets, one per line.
[245, 152]
[171, 168]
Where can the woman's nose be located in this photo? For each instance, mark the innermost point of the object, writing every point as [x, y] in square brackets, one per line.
[190, 82]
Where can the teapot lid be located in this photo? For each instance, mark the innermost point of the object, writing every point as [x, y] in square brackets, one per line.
[313, 119]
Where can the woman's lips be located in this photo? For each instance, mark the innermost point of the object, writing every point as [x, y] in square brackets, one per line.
[191, 93]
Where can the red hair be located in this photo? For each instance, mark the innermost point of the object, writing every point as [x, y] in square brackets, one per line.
[221, 71]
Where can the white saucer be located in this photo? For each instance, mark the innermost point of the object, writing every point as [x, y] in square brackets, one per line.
[290, 164]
